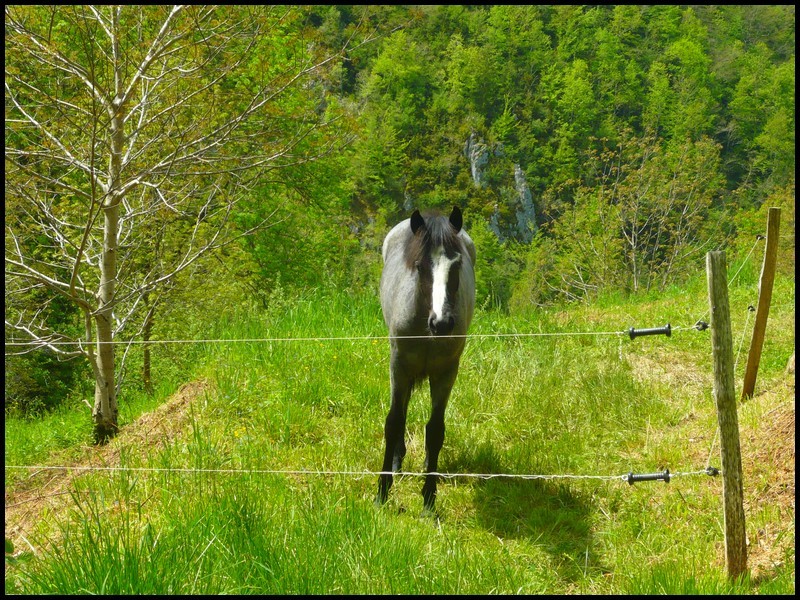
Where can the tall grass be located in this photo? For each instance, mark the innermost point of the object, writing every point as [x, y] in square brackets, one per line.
[541, 405]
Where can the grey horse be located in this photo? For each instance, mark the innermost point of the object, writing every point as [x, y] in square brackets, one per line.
[428, 299]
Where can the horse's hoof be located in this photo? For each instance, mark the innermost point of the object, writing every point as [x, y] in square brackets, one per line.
[379, 502]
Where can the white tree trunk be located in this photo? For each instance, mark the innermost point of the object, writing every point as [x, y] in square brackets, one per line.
[105, 411]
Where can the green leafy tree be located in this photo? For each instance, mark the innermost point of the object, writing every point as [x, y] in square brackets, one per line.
[575, 114]
[639, 226]
[762, 116]
[618, 70]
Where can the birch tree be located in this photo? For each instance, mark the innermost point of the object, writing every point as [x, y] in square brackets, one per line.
[127, 124]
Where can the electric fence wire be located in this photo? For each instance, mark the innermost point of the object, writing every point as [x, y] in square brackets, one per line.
[739, 270]
[358, 474]
[352, 338]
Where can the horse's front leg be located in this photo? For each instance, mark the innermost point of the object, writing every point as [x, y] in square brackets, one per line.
[394, 430]
[441, 384]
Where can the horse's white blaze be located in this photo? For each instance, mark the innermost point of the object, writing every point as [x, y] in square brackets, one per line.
[441, 272]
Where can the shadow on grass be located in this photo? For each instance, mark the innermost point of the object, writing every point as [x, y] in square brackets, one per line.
[550, 514]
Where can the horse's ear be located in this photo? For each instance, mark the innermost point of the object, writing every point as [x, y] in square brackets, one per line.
[456, 220]
[416, 221]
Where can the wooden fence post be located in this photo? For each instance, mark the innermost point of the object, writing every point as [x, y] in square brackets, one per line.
[725, 399]
[764, 299]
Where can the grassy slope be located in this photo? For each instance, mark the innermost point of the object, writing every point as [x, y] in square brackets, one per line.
[545, 405]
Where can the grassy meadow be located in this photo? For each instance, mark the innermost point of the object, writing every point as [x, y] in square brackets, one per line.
[552, 404]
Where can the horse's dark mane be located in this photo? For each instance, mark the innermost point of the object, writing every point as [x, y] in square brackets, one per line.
[437, 231]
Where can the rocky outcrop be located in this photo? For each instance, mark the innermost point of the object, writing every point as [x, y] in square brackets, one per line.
[516, 217]
[477, 153]
[526, 213]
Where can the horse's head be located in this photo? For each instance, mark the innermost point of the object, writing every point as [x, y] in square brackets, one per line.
[436, 255]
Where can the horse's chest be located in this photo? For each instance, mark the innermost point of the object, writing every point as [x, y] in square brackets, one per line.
[426, 357]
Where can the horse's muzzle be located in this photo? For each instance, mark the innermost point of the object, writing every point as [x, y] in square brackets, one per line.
[441, 326]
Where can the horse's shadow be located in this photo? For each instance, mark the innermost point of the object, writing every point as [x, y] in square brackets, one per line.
[551, 514]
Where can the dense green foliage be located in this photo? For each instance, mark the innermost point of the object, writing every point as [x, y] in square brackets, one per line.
[641, 132]
[642, 135]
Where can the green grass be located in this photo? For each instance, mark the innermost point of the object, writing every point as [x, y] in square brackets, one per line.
[541, 405]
